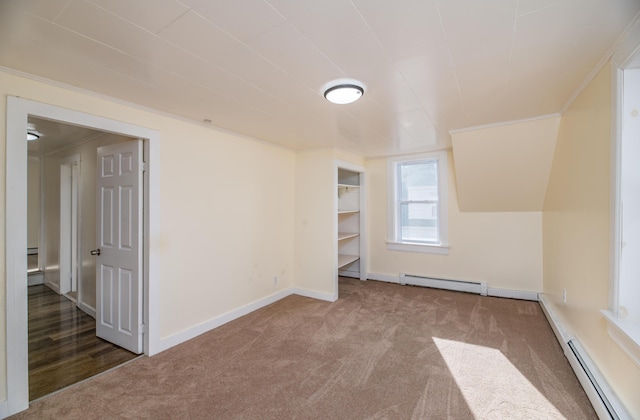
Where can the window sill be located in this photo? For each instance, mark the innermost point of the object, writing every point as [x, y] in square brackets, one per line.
[625, 334]
[439, 249]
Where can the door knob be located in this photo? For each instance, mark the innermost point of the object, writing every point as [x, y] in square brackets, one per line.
[95, 251]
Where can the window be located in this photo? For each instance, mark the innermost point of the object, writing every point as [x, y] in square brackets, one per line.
[418, 203]
[623, 315]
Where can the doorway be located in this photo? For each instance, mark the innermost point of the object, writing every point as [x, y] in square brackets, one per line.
[63, 344]
[18, 112]
[70, 228]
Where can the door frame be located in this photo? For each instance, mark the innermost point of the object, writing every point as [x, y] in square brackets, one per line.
[18, 111]
[70, 222]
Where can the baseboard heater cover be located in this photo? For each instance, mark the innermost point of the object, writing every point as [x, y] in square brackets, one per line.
[613, 408]
[477, 287]
[603, 399]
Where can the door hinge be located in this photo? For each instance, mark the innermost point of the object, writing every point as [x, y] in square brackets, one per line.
[143, 166]
[141, 329]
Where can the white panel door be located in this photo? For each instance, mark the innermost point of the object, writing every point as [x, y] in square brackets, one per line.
[119, 253]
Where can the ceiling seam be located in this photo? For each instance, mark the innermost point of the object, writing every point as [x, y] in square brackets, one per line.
[388, 58]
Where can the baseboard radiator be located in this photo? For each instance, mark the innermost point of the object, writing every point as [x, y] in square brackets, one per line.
[477, 287]
[604, 401]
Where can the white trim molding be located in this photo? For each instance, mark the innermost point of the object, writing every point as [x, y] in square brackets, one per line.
[623, 310]
[234, 314]
[513, 293]
[88, 309]
[18, 111]
[617, 53]
[314, 294]
[438, 249]
[4, 410]
[503, 123]
[215, 322]
[383, 277]
[394, 242]
[625, 334]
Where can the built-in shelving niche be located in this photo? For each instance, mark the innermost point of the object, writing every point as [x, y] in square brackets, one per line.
[350, 223]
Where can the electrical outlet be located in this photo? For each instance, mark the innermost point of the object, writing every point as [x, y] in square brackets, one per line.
[275, 280]
[564, 295]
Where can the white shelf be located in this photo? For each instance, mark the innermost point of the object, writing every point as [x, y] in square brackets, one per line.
[346, 259]
[350, 222]
[346, 235]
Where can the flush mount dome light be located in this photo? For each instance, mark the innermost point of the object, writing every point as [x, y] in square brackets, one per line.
[343, 92]
[32, 136]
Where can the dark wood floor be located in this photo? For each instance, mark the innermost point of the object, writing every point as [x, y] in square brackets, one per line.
[63, 347]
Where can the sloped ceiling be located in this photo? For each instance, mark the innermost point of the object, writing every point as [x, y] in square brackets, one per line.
[258, 67]
[505, 168]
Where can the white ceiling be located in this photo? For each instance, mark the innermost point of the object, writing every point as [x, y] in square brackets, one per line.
[257, 67]
[55, 136]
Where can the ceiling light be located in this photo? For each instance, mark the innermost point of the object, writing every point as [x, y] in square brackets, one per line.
[344, 93]
[32, 136]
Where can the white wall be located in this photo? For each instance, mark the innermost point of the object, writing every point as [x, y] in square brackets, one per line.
[503, 249]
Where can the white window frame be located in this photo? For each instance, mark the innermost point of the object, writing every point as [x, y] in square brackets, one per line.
[624, 333]
[393, 238]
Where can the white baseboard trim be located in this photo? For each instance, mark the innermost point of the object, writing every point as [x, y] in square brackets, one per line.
[4, 409]
[329, 297]
[383, 277]
[625, 334]
[594, 384]
[188, 334]
[512, 293]
[346, 273]
[491, 291]
[36, 278]
[89, 310]
[52, 286]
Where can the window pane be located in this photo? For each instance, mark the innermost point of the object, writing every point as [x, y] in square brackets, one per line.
[419, 180]
[419, 222]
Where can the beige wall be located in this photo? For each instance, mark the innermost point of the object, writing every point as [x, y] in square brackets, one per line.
[315, 219]
[576, 234]
[503, 249]
[226, 211]
[87, 204]
[227, 224]
[505, 168]
[314, 239]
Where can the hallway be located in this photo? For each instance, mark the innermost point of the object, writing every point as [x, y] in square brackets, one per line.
[63, 347]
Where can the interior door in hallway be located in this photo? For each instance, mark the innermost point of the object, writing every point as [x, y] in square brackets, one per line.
[119, 292]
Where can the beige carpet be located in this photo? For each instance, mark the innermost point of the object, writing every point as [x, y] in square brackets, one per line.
[382, 351]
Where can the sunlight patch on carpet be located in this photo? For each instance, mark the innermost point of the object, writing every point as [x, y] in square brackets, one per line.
[491, 385]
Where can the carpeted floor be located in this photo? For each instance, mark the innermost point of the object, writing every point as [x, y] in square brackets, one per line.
[382, 351]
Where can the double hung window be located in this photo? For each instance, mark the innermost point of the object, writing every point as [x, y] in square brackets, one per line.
[417, 209]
